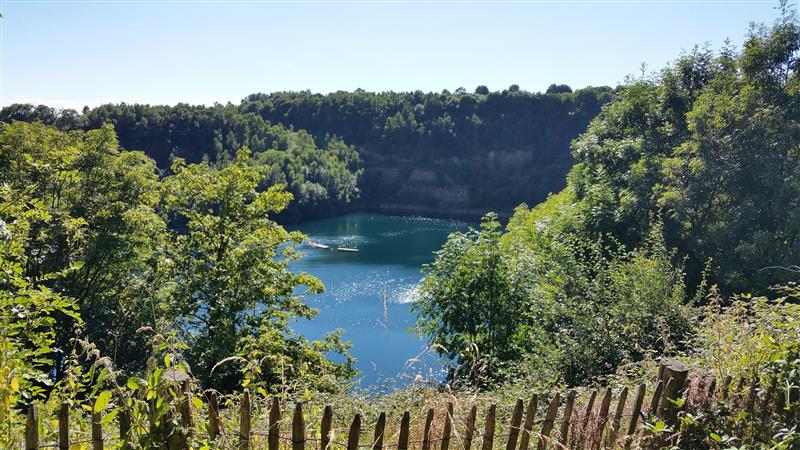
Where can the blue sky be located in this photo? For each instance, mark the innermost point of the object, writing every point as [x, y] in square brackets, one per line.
[75, 53]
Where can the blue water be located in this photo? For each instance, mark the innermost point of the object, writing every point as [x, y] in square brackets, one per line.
[369, 293]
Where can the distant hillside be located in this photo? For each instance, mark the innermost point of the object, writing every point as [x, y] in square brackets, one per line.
[447, 153]
[440, 154]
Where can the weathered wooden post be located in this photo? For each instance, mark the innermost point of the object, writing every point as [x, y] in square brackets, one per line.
[125, 429]
[426, 432]
[656, 397]
[97, 430]
[712, 389]
[565, 423]
[448, 424]
[637, 409]
[671, 369]
[63, 426]
[298, 428]
[32, 428]
[513, 429]
[354, 434]
[274, 435]
[587, 416]
[186, 416]
[469, 433]
[615, 424]
[245, 418]
[402, 441]
[380, 426]
[549, 421]
[527, 427]
[726, 386]
[325, 428]
[488, 428]
[214, 422]
[602, 418]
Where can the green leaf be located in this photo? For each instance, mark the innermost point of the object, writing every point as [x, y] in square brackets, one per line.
[198, 404]
[102, 401]
[109, 417]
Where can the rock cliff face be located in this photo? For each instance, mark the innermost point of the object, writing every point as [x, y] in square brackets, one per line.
[461, 187]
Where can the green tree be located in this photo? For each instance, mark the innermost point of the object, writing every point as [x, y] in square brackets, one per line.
[470, 306]
[29, 313]
[230, 284]
[98, 212]
[711, 146]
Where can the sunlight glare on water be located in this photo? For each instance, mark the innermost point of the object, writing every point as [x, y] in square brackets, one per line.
[370, 293]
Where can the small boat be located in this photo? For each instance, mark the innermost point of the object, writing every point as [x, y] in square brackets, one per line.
[346, 249]
[318, 245]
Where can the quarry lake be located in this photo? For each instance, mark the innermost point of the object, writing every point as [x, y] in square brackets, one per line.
[369, 293]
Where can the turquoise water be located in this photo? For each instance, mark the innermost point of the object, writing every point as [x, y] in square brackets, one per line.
[369, 293]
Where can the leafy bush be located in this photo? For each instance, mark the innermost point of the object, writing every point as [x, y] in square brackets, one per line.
[574, 308]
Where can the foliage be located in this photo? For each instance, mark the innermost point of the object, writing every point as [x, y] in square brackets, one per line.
[752, 339]
[558, 306]
[96, 221]
[95, 243]
[230, 281]
[29, 311]
[469, 306]
[434, 152]
[692, 171]
[712, 146]
[321, 177]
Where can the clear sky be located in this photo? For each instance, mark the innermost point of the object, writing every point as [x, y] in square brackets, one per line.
[75, 53]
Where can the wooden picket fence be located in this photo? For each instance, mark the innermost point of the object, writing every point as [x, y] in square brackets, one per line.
[565, 423]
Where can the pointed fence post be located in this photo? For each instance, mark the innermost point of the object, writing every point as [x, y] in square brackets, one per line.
[298, 428]
[513, 429]
[325, 428]
[656, 397]
[97, 430]
[488, 428]
[770, 400]
[214, 423]
[380, 426]
[637, 409]
[602, 419]
[186, 417]
[623, 398]
[549, 421]
[274, 435]
[245, 417]
[402, 441]
[469, 433]
[32, 428]
[530, 417]
[355, 432]
[586, 418]
[751, 395]
[426, 433]
[712, 388]
[565, 423]
[448, 424]
[63, 426]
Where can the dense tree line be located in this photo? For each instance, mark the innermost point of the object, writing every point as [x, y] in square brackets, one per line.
[500, 147]
[686, 187]
[481, 151]
[323, 175]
